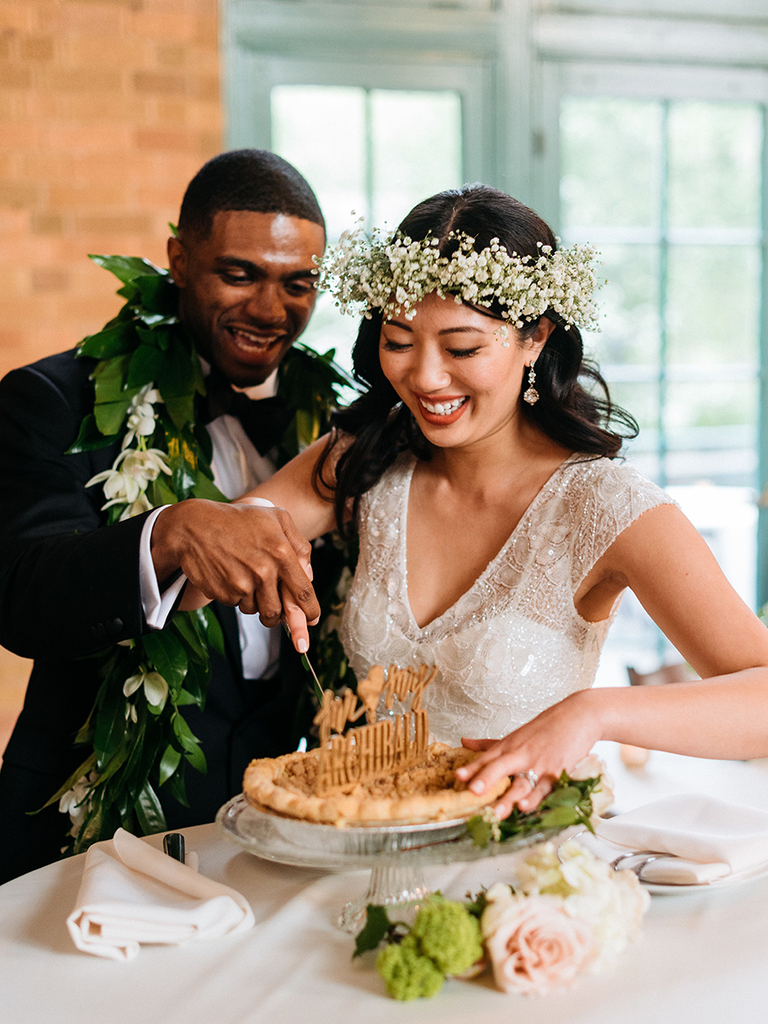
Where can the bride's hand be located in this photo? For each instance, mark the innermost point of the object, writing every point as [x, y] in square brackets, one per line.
[554, 741]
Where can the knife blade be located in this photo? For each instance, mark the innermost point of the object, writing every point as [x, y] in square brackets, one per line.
[308, 667]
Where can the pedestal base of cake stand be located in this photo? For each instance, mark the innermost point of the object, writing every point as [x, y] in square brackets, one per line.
[389, 886]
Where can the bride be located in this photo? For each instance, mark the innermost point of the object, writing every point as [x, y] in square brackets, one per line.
[497, 529]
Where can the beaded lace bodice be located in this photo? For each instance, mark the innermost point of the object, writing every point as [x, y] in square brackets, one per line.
[513, 644]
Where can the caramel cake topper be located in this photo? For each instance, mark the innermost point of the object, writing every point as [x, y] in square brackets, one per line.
[377, 748]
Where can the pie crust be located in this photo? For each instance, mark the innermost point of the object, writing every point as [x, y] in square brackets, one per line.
[426, 792]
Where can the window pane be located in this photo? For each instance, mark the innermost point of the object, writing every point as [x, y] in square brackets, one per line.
[416, 149]
[611, 159]
[629, 305]
[366, 153]
[710, 431]
[320, 129]
[714, 165]
[713, 304]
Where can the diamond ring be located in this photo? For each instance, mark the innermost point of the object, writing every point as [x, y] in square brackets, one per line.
[531, 776]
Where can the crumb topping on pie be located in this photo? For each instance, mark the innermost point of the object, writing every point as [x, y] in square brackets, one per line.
[428, 791]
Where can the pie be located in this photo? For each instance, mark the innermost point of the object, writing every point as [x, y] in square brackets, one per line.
[424, 792]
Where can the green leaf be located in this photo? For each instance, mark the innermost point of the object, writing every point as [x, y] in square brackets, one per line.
[158, 294]
[109, 342]
[181, 409]
[190, 743]
[188, 629]
[559, 817]
[110, 416]
[175, 787]
[169, 762]
[110, 379]
[196, 758]
[159, 492]
[376, 927]
[110, 717]
[149, 812]
[88, 765]
[90, 437]
[184, 734]
[206, 488]
[567, 796]
[195, 683]
[479, 830]
[307, 428]
[184, 698]
[167, 654]
[115, 764]
[179, 376]
[127, 268]
[145, 365]
[127, 292]
[213, 629]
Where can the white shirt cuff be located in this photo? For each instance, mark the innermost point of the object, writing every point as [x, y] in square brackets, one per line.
[157, 607]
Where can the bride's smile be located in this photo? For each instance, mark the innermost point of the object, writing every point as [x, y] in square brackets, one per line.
[451, 367]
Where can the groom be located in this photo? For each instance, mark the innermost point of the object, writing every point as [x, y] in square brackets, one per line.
[70, 585]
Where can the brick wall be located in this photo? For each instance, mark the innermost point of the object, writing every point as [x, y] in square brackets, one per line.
[107, 108]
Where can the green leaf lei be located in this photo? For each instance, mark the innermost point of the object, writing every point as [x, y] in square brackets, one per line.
[147, 382]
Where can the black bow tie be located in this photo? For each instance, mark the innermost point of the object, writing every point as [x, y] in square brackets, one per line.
[263, 419]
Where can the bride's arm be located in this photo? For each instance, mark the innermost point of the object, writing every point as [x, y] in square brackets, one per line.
[666, 562]
[293, 489]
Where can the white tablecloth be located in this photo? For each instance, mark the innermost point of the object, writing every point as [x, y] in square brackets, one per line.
[703, 957]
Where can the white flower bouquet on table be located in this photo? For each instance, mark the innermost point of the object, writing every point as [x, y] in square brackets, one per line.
[568, 913]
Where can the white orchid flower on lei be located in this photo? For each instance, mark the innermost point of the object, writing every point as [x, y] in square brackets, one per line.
[126, 482]
[141, 414]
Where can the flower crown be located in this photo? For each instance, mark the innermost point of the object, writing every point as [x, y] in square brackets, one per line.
[394, 273]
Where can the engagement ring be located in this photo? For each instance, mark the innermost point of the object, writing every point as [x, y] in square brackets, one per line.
[532, 777]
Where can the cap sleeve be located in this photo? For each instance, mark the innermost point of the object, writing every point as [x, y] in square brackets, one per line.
[611, 496]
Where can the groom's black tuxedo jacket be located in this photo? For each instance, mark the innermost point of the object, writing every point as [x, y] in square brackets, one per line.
[69, 587]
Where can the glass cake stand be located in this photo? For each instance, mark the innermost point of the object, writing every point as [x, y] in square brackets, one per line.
[395, 852]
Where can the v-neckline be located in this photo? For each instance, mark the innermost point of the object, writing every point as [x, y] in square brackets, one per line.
[451, 610]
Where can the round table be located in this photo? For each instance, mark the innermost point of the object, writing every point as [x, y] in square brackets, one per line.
[701, 959]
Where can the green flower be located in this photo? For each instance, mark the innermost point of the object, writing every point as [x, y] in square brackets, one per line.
[406, 973]
[448, 934]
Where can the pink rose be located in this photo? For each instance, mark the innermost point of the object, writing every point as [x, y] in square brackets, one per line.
[534, 944]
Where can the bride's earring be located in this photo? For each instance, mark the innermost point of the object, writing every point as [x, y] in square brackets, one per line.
[531, 395]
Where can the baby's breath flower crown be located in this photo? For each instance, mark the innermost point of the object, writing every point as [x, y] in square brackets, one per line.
[392, 274]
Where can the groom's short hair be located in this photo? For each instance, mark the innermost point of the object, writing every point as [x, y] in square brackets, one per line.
[245, 179]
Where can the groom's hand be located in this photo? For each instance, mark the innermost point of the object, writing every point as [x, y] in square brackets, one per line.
[241, 555]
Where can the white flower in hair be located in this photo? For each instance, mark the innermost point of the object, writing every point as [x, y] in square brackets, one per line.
[393, 274]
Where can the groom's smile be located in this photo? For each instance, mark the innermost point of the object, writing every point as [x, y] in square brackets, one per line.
[247, 290]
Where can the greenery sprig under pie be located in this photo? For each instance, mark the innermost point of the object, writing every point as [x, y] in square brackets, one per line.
[569, 803]
[149, 388]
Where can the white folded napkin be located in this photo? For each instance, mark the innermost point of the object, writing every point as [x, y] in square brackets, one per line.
[132, 893]
[709, 838]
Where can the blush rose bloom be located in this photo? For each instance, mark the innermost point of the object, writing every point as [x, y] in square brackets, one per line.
[533, 943]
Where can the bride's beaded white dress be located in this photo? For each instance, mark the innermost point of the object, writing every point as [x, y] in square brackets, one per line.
[513, 644]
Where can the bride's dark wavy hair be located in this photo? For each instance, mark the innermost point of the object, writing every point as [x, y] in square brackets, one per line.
[578, 417]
